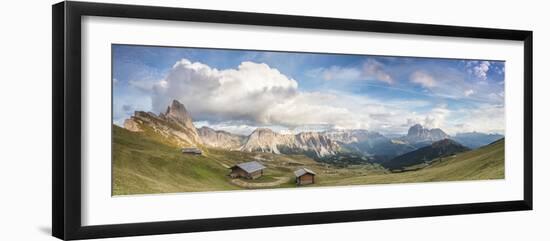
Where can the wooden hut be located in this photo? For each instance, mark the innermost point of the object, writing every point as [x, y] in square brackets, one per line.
[248, 170]
[304, 176]
[191, 150]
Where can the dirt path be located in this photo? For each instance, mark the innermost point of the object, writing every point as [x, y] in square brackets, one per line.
[242, 183]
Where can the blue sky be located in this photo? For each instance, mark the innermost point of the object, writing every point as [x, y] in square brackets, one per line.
[238, 90]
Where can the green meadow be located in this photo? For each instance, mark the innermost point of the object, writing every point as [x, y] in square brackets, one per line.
[144, 164]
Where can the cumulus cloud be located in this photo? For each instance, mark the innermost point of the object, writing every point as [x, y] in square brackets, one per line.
[245, 93]
[436, 117]
[422, 78]
[254, 94]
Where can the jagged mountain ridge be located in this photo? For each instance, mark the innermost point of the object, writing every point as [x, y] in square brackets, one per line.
[176, 124]
[266, 140]
[221, 139]
[352, 136]
[370, 143]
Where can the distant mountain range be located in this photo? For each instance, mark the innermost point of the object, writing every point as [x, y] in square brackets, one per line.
[221, 139]
[475, 140]
[176, 125]
[313, 143]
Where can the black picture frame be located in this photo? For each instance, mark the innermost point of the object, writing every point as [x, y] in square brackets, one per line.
[66, 127]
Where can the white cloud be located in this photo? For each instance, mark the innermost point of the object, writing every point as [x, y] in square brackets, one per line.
[245, 93]
[375, 70]
[468, 92]
[484, 118]
[254, 94]
[437, 117]
[422, 78]
[480, 70]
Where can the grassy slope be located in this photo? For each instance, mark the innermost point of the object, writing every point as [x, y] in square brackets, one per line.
[142, 164]
[481, 164]
[147, 163]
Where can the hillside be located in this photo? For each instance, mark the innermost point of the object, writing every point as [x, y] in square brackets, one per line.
[484, 163]
[144, 162]
[147, 162]
[425, 154]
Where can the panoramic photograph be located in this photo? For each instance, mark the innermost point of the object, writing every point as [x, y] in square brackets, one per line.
[188, 119]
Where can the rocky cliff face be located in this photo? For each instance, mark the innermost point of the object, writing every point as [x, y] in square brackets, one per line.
[175, 124]
[179, 115]
[417, 134]
[316, 142]
[221, 139]
[266, 140]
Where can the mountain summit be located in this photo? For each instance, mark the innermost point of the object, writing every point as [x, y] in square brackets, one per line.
[175, 124]
[177, 112]
[419, 134]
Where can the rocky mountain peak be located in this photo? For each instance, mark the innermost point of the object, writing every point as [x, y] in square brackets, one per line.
[176, 111]
[262, 130]
[418, 130]
[415, 130]
[417, 133]
[175, 124]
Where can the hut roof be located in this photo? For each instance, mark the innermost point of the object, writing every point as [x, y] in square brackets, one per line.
[300, 172]
[250, 167]
[191, 149]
